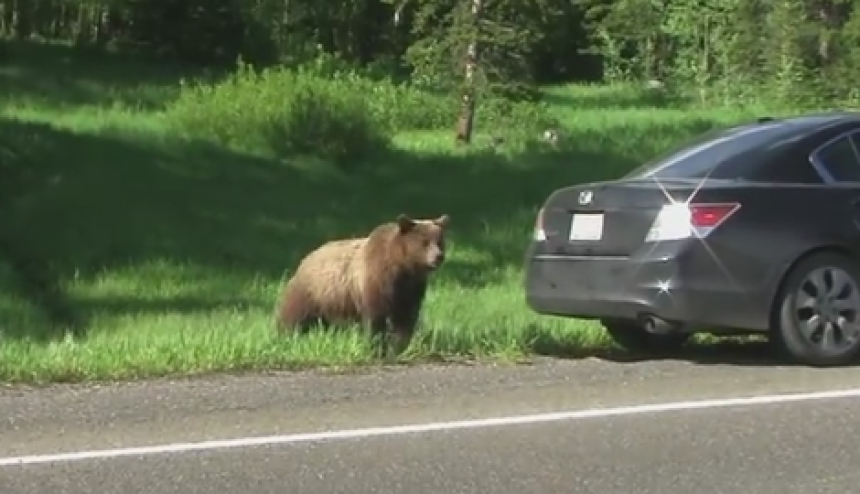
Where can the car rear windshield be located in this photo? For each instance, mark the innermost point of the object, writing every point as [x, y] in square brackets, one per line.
[699, 157]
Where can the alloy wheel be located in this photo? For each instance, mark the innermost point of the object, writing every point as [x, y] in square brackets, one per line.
[826, 309]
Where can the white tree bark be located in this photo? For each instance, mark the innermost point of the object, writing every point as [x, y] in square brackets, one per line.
[467, 112]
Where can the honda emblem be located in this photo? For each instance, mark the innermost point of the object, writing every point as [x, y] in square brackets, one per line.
[585, 197]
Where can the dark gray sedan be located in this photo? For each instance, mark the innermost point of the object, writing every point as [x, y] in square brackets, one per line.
[749, 229]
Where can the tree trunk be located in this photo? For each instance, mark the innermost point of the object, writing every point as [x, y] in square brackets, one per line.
[467, 109]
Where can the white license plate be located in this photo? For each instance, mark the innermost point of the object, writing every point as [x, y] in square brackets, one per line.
[586, 227]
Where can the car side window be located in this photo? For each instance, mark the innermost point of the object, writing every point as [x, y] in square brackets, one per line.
[789, 169]
[841, 159]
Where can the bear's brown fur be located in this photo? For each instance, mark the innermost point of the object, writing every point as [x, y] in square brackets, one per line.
[379, 280]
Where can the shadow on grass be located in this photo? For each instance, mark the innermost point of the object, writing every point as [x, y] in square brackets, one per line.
[60, 76]
[82, 205]
[728, 351]
[165, 305]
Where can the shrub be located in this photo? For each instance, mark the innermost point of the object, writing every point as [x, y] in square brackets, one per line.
[283, 112]
[328, 110]
[408, 106]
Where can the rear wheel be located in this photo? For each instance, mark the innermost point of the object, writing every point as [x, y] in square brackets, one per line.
[632, 336]
[817, 312]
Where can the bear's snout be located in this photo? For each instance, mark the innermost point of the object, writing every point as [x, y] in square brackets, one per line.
[437, 260]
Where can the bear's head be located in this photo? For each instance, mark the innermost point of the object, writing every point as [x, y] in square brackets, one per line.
[423, 240]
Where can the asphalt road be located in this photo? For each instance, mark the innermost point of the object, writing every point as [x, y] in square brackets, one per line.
[801, 447]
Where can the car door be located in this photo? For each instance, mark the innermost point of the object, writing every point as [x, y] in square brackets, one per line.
[838, 161]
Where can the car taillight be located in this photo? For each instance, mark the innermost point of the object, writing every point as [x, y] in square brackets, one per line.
[680, 220]
[539, 234]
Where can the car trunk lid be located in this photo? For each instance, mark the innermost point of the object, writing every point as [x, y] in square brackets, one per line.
[608, 219]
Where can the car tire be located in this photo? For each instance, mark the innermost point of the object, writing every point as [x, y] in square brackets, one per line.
[631, 336]
[803, 343]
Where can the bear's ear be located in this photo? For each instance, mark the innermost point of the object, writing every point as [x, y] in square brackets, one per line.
[442, 220]
[405, 223]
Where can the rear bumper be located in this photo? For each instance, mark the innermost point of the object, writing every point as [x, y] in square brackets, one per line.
[629, 288]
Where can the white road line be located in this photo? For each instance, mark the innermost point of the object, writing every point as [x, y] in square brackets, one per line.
[335, 435]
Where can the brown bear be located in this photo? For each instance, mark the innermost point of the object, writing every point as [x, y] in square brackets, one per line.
[379, 280]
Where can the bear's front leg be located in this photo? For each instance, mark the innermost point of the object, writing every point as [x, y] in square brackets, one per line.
[379, 337]
[375, 326]
[404, 320]
[406, 310]
[374, 315]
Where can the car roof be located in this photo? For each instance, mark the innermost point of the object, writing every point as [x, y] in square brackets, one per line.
[813, 122]
[798, 125]
[741, 143]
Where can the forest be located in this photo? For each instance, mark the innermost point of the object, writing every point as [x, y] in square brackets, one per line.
[721, 49]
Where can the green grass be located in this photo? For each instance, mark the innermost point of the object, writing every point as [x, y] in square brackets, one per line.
[134, 246]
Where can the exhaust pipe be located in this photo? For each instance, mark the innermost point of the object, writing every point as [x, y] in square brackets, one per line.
[655, 325]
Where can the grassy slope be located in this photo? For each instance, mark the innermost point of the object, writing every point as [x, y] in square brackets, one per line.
[144, 255]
